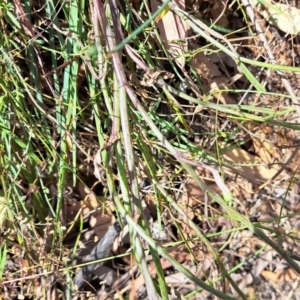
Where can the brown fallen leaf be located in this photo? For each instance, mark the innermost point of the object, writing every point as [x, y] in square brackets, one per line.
[207, 69]
[192, 195]
[262, 151]
[83, 207]
[283, 16]
[173, 31]
[239, 161]
[280, 275]
[88, 205]
[216, 84]
[265, 149]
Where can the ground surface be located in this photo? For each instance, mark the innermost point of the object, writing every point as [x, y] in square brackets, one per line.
[79, 157]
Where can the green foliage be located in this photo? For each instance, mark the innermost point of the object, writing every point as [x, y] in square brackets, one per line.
[62, 97]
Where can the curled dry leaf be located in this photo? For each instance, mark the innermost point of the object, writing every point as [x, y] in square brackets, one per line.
[283, 16]
[173, 31]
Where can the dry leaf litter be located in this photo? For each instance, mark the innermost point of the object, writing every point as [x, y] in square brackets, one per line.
[262, 177]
